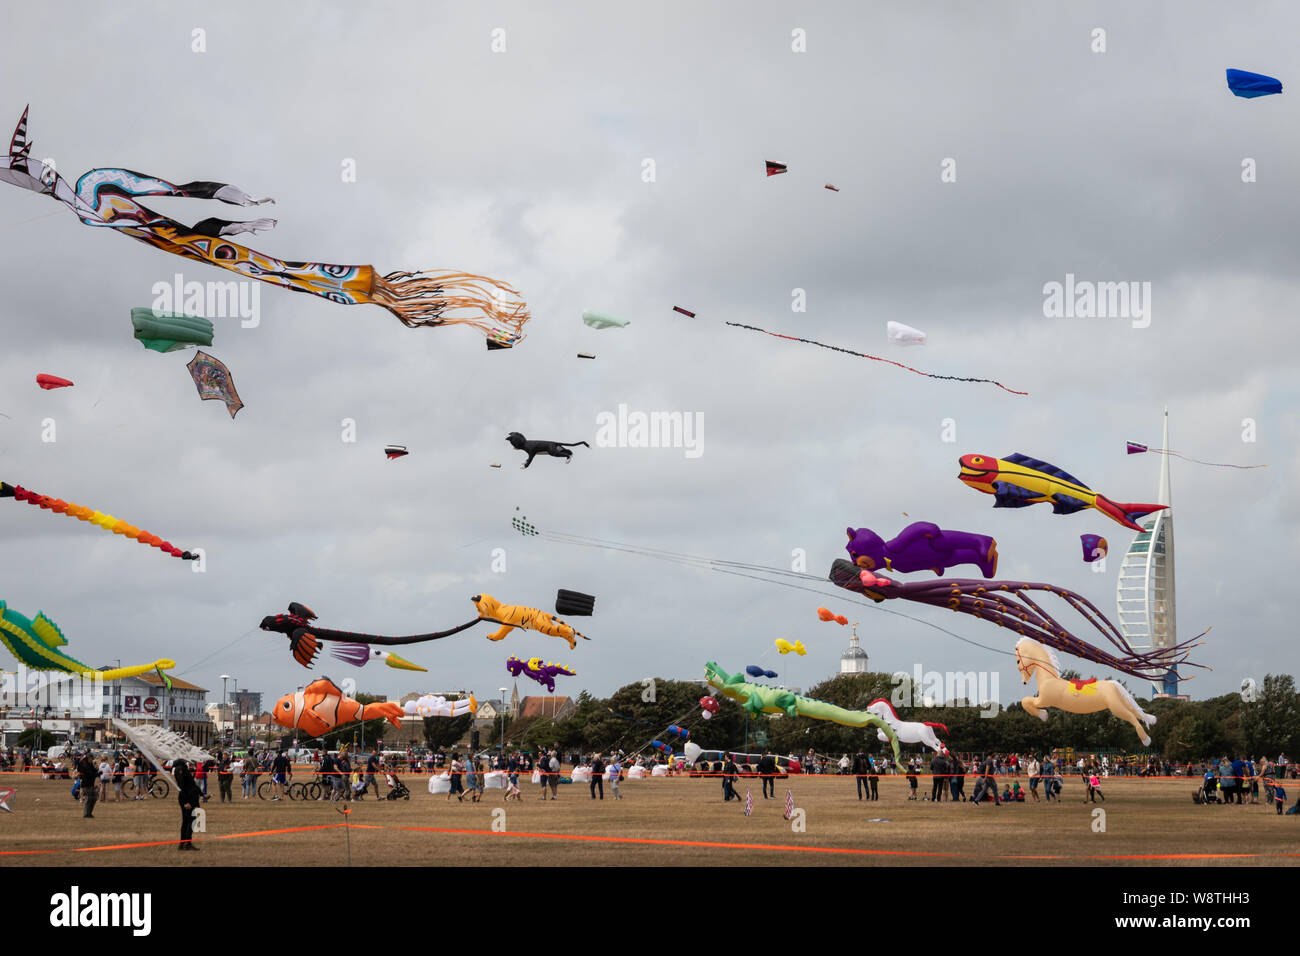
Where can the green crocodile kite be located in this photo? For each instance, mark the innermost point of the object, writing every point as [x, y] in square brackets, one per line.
[758, 699]
[36, 643]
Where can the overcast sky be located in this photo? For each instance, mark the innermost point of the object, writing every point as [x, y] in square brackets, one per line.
[527, 165]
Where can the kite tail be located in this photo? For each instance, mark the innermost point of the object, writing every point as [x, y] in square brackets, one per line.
[425, 298]
[118, 673]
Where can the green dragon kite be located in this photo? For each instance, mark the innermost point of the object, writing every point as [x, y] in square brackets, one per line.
[36, 644]
[758, 699]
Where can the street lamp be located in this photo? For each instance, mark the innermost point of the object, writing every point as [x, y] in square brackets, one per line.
[501, 741]
[224, 698]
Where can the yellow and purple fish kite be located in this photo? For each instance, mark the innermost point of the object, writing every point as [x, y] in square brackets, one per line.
[109, 198]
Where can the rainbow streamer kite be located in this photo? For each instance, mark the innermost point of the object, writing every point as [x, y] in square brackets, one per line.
[82, 513]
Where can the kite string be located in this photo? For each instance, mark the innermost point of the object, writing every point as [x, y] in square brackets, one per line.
[876, 358]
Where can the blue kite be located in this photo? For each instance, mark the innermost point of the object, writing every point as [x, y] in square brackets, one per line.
[1250, 85]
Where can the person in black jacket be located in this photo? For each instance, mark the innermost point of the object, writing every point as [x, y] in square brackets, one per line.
[597, 775]
[939, 779]
[189, 796]
[729, 774]
[862, 767]
[89, 774]
[767, 770]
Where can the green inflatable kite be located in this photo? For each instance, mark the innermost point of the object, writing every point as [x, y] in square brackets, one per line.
[758, 699]
[169, 331]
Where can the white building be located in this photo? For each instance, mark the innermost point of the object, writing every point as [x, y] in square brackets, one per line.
[854, 658]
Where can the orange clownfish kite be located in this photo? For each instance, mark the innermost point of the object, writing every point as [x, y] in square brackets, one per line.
[321, 706]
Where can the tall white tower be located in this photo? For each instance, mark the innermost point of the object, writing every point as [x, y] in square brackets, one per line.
[1144, 595]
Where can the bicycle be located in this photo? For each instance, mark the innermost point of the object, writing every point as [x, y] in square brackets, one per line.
[157, 787]
[265, 792]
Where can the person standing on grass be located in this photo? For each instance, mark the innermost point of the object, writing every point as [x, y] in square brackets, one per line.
[554, 779]
[615, 775]
[457, 786]
[89, 776]
[938, 777]
[873, 779]
[729, 775]
[279, 775]
[120, 767]
[597, 777]
[957, 776]
[225, 778]
[767, 770]
[861, 767]
[188, 796]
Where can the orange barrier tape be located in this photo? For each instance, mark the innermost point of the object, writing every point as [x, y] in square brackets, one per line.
[647, 841]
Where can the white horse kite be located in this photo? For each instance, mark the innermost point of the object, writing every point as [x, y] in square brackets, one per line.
[908, 731]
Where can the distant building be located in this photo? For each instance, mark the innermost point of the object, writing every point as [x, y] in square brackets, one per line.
[557, 708]
[854, 658]
[145, 700]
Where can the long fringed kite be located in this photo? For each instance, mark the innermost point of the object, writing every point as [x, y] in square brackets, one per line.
[109, 198]
[36, 644]
[1020, 613]
[876, 358]
[82, 513]
[1137, 448]
[305, 638]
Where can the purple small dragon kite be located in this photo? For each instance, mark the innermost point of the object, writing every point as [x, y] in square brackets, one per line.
[544, 674]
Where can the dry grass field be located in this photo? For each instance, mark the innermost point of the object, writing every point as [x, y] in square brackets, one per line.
[660, 822]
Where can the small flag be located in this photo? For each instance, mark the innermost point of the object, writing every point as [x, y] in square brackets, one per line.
[678, 308]
[165, 679]
[789, 804]
[833, 189]
[6, 794]
[775, 169]
[749, 802]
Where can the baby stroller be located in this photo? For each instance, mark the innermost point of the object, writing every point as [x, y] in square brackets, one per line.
[396, 789]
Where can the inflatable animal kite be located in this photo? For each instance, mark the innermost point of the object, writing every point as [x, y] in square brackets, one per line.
[909, 731]
[37, 645]
[109, 198]
[556, 449]
[434, 705]
[1020, 613]
[321, 706]
[510, 616]
[363, 654]
[785, 647]
[1074, 696]
[1018, 480]
[107, 522]
[757, 699]
[534, 669]
[305, 637]
[923, 546]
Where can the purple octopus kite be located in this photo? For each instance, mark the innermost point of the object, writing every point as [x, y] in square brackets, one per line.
[1019, 612]
[923, 546]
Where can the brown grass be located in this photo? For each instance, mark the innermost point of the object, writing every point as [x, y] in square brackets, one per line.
[1151, 819]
